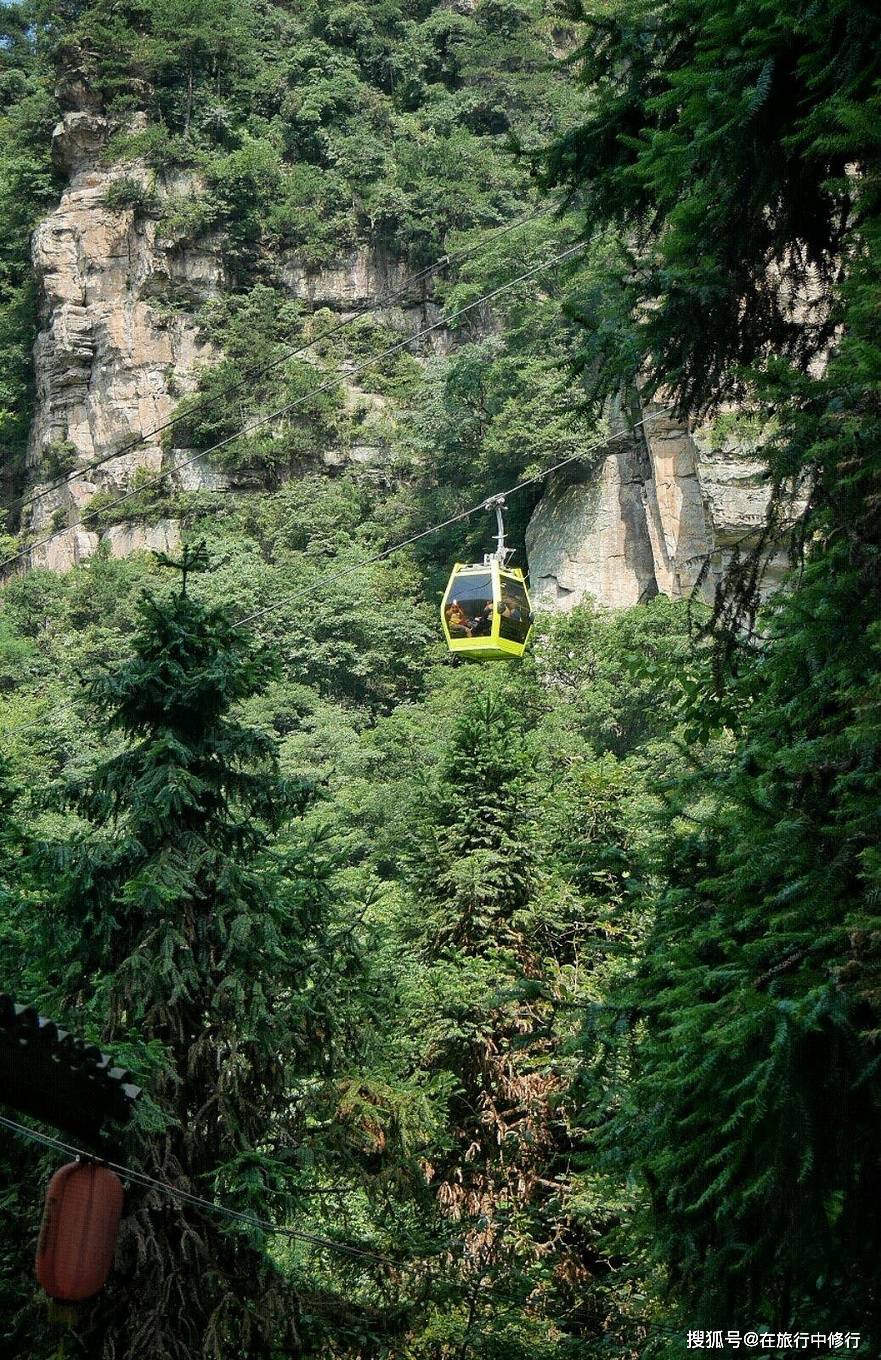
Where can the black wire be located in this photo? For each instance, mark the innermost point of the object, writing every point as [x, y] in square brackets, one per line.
[414, 538]
[307, 396]
[444, 524]
[27, 499]
[152, 1183]
[250, 1220]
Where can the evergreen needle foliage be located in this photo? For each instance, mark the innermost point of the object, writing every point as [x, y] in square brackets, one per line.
[737, 146]
[187, 932]
[558, 988]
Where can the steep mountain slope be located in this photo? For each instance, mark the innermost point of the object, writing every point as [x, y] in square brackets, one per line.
[186, 188]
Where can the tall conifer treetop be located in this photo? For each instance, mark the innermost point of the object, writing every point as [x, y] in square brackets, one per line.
[191, 937]
[738, 145]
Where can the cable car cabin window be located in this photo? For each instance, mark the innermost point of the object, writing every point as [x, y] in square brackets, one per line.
[513, 611]
[469, 607]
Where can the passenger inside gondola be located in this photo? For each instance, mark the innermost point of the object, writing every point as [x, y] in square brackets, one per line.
[469, 610]
[485, 610]
[483, 624]
[514, 612]
[457, 620]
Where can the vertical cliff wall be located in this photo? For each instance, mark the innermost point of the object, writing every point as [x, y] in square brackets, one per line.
[661, 512]
[116, 350]
[118, 345]
[110, 363]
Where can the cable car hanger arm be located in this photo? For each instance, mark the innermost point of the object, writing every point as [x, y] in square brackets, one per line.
[502, 553]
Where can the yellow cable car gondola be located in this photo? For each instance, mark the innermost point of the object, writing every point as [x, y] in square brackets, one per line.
[485, 611]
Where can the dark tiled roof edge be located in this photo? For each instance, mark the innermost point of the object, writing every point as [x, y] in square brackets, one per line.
[25, 1025]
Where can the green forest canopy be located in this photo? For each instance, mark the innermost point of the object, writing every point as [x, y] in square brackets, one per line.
[555, 986]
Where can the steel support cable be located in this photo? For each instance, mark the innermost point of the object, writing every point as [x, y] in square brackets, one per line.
[26, 499]
[487, 503]
[147, 1182]
[404, 543]
[442, 323]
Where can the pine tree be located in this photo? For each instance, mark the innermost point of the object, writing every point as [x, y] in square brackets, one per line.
[738, 146]
[483, 1012]
[759, 1091]
[728, 155]
[191, 928]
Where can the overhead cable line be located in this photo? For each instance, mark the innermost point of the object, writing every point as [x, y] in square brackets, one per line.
[147, 1182]
[406, 542]
[444, 524]
[441, 323]
[27, 499]
[197, 1201]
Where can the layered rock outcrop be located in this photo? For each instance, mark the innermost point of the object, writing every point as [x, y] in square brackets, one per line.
[110, 361]
[661, 512]
[118, 345]
[117, 349]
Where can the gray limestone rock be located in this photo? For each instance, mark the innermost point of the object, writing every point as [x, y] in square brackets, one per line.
[125, 539]
[664, 519]
[658, 512]
[109, 363]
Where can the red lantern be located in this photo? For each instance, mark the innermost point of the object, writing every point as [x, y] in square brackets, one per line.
[78, 1234]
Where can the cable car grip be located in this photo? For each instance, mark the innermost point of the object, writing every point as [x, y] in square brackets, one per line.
[501, 553]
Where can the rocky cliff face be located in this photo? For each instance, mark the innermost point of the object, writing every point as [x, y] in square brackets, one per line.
[661, 513]
[113, 358]
[114, 354]
[110, 364]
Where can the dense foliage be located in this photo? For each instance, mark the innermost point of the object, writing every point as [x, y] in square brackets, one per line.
[737, 147]
[436, 878]
[734, 148]
[316, 124]
[170, 921]
[27, 187]
[539, 1005]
